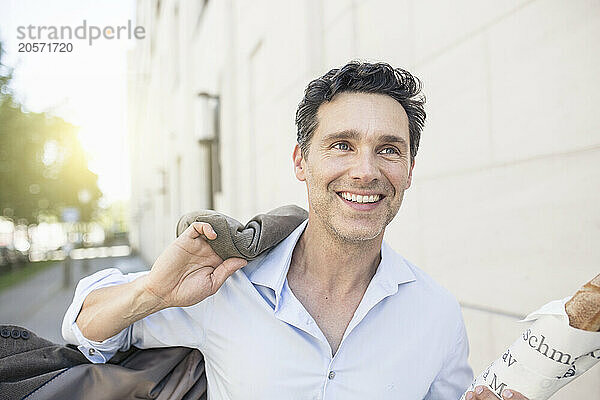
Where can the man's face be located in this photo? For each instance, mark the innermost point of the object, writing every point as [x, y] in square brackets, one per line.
[360, 148]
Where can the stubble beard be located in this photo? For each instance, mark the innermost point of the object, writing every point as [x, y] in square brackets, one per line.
[324, 209]
[324, 205]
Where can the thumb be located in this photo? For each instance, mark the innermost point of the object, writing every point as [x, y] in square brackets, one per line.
[225, 270]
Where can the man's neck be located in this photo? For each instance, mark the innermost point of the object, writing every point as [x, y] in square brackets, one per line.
[334, 265]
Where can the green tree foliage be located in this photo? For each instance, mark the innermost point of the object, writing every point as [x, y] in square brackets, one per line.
[43, 167]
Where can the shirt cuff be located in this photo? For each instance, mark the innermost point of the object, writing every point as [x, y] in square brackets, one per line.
[100, 352]
[96, 352]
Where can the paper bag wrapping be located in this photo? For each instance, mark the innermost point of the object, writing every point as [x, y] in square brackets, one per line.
[546, 357]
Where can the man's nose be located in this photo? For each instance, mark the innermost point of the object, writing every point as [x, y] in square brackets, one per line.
[364, 167]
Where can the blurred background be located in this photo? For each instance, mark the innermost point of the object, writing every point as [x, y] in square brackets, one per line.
[102, 149]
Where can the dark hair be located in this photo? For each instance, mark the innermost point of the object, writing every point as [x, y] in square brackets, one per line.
[358, 76]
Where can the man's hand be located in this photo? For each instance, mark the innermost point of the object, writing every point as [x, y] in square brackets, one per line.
[188, 271]
[483, 393]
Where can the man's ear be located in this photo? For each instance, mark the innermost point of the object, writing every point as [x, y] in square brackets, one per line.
[299, 163]
[409, 180]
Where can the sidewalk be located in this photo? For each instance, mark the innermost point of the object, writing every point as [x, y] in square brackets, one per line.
[39, 304]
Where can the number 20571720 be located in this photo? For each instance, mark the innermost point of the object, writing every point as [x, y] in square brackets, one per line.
[42, 47]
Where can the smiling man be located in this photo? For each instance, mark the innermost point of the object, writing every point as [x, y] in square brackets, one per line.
[332, 312]
[356, 165]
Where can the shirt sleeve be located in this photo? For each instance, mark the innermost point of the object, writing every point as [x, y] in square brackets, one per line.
[456, 374]
[176, 326]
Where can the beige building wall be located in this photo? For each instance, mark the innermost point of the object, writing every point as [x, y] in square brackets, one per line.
[503, 209]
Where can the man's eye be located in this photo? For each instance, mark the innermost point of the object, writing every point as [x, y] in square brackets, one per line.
[341, 146]
[390, 150]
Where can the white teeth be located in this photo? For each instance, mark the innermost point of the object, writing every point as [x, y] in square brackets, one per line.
[360, 198]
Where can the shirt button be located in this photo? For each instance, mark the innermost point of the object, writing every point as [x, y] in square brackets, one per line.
[91, 352]
[331, 374]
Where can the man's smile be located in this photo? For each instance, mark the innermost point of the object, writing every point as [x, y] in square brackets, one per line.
[363, 201]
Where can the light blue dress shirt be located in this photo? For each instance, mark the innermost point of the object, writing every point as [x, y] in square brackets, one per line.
[406, 339]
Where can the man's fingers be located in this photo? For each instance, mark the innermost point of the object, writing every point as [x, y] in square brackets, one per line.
[197, 229]
[513, 395]
[481, 393]
[225, 270]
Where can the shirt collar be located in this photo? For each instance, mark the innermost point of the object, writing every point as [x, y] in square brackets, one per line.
[272, 270]
[393, 270]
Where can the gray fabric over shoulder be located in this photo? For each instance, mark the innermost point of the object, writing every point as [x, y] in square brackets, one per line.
[261, 233]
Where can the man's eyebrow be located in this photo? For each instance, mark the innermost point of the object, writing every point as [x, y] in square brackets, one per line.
[354, 135]
[393, 139]
[347, 134]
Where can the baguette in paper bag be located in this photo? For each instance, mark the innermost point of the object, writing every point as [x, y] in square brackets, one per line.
[560, 346]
